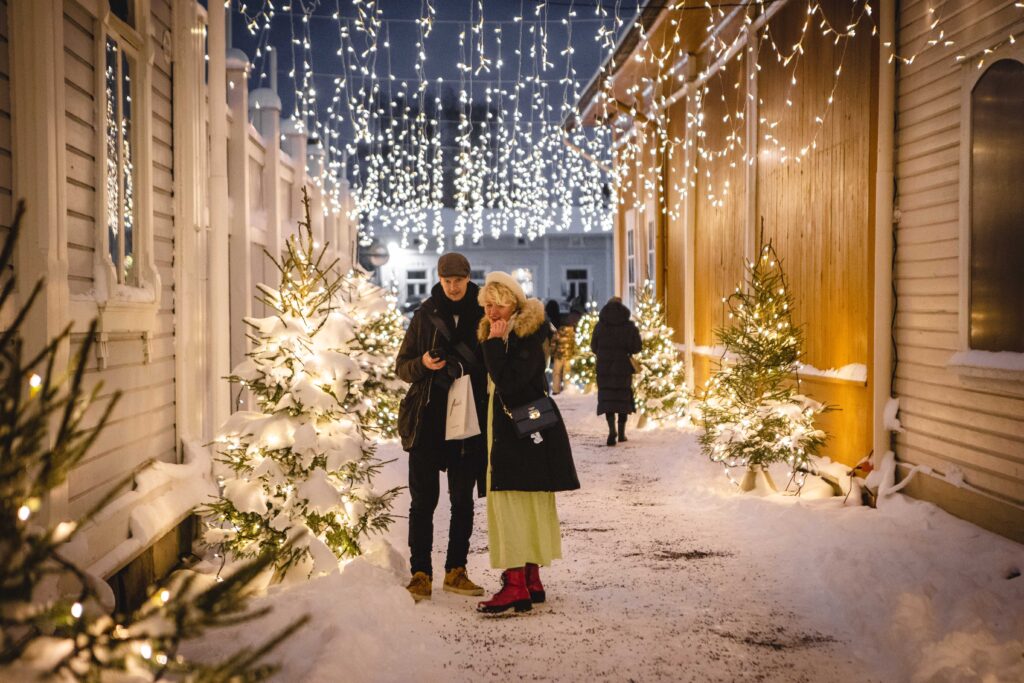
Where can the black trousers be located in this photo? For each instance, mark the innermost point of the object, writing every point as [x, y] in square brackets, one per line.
[425, 489]
[610, 417]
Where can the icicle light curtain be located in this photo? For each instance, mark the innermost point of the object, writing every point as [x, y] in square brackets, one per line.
[501, 142]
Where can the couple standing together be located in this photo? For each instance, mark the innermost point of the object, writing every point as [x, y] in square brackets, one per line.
[495, 335]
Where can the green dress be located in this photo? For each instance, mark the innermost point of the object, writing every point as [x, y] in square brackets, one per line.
[522, 526]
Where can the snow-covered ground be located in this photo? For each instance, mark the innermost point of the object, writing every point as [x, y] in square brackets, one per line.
[669, 574]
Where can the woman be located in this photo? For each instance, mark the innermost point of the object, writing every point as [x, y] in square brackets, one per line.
[615, 339]
[522, 473]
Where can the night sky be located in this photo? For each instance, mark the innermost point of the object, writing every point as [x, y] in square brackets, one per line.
[401, 31]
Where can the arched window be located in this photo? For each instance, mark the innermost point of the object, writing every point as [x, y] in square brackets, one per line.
[996, 321]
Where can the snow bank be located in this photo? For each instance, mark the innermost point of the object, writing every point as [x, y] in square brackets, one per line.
[363, 627]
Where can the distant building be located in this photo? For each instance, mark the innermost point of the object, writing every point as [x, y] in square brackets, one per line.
[560, 265]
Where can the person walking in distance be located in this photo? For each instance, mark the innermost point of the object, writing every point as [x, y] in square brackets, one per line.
[614, 341]
[439, 346]
[524, 470]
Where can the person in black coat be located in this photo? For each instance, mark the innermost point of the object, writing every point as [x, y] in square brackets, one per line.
[438, 347]
[614, 340]
[524, 472]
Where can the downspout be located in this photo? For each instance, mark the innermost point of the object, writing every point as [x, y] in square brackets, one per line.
[884, 179]
[220, 317]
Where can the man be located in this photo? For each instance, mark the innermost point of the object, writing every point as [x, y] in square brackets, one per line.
[439, 346]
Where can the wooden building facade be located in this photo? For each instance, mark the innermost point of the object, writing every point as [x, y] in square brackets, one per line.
[152, 187]
[821, 122]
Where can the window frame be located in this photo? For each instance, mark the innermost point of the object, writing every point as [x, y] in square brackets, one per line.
[999, 367]
[588, 281]
[122, 307]
[406, 281]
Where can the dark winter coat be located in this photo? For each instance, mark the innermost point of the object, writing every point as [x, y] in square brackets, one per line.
[614, 340]
[421, 415]
[516, 367]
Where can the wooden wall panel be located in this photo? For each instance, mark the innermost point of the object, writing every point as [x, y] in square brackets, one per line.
[951, 421]
[819, 211]
[83, 139]
[674, 241]
[143, 426]
[6, 199]
[719, 196]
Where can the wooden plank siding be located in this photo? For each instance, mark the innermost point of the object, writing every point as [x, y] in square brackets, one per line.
[719, 227]
[142, 427]
[675, 244]
[6, 170]
[819, 211]
[822, 227]
[951, 421]
[83, 138]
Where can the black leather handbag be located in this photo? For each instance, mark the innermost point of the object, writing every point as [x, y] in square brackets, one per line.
[533, 417]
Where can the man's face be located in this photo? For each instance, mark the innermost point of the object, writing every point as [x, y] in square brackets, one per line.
[454, 287]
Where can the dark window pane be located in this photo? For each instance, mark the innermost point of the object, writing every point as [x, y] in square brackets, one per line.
[997, 209]
[124, 10]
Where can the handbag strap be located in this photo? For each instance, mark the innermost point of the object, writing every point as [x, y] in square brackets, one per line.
[459, 346]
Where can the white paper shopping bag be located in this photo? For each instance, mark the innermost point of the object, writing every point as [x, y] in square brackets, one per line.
[461, 421]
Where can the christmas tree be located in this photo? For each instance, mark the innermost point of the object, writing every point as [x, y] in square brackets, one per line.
[583, 366]
[379, 329]
[300, 470]
[659, 386]
[54, 620]
[752, 412]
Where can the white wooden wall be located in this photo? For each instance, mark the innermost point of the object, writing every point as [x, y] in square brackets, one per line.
[142, 426]
[153, 417]
[951, 421]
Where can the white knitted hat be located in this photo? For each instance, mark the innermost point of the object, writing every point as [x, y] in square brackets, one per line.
[503, 278]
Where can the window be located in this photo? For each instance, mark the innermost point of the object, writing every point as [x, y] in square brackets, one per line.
[416, 283]
[478, 275]
[996, 308]
[121, 174]
[524, 276]
[630, 261]
[577, 284]
[124, 10]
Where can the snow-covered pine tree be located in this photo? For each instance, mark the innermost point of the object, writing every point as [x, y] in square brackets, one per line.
[752, 412]
[660, 385]
[379, 329]
[583, 367]
[301, 470]
[54, 616]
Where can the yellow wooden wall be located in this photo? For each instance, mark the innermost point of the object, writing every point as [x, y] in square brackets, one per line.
[719, 229]
[819, 212]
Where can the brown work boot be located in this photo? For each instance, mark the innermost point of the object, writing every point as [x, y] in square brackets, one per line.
[420, 586]
[456, 581]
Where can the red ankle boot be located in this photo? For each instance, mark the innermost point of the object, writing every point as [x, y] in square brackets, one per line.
[533, 583]
[513, 594]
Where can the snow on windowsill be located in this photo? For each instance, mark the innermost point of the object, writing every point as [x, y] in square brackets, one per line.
[1007, 366]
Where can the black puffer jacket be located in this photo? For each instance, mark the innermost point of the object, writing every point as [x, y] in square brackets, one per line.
[421, 416]
[517, 369]
[614, 340]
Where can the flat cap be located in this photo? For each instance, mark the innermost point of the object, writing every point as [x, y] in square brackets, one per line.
[453, 264]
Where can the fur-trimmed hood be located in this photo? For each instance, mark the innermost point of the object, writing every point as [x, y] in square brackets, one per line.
[524, 322]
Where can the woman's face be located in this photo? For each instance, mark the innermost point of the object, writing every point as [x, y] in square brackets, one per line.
[495, 311]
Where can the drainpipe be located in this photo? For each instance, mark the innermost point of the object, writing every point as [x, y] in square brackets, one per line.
[884, 204]
[220, 318]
